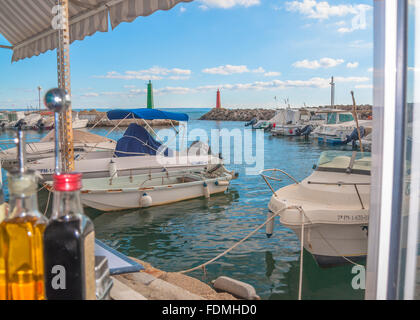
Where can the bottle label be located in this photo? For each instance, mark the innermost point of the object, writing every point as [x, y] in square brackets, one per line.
[90, 278]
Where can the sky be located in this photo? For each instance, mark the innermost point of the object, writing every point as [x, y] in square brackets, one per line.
[257, 52]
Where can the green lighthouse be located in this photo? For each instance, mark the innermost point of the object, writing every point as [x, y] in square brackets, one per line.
[149, 95]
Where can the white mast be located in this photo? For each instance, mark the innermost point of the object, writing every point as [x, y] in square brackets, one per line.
[332, 92]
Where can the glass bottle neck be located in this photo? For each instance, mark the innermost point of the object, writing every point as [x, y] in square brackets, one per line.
[22, 205]
[66, 203]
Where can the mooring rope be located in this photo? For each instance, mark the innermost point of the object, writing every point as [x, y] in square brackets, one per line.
[48, 202]
[232, 247]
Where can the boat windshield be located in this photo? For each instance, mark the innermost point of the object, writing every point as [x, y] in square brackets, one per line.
[345, 117]
[342, 161]
[332, 118]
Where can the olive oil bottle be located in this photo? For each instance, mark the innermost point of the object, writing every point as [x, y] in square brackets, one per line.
[21, 239]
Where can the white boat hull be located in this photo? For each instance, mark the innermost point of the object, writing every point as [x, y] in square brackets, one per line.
[95, 166]
[334, 210]
[114, 200]
[80, 123]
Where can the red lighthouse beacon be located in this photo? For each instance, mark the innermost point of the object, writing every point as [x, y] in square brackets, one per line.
[218, 104]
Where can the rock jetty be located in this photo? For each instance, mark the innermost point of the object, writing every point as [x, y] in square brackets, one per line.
[223, 114]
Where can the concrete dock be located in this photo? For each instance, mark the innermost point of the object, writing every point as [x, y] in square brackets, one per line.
[155, 284]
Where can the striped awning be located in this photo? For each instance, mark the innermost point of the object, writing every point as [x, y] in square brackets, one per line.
[27, 25]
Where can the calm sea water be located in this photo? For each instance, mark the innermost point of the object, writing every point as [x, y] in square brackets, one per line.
[182, 235]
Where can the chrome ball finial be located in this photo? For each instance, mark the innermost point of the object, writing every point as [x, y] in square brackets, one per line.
[57, 100]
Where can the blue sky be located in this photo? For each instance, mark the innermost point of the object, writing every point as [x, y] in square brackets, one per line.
[253, 50]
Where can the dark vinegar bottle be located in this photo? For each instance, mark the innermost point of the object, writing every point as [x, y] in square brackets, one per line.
[69, 244]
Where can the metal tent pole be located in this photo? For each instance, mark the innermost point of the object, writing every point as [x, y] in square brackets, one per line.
[63, 72]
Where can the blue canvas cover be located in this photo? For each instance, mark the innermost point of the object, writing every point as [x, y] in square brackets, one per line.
[147, 114]
[137, 140]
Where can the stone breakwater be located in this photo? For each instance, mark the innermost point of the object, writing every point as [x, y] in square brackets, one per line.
[238, 114]
[363, 111]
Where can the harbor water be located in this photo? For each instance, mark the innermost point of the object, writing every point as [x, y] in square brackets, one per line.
[180, 236]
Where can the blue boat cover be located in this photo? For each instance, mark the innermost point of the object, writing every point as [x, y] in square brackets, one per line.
[147, 114]
[137, 140]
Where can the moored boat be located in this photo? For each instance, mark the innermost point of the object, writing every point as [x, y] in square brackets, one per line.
[142, 191]
[328, 210]
[136, 152]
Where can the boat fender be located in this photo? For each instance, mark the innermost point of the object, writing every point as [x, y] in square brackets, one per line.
[269, 227]
[145, 200]
[237, 288]
[206, 190]
[113, 171]
[222, 183]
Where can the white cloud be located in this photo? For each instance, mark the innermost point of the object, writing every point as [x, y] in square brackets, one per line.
[361, 44]
[316, 82]
[226, 4]
[364, 86]
[153, 73]
[90, 94]
[272, 74]
[323, 10]
[352, 65]
[321, 63]
[259, 70]
[258, 85]
[226, 69]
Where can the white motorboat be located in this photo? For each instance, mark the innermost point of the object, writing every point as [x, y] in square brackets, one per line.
[286, 122]
[30, 120]
[262, 124]
[142, 191]
[328, 210]
[79, 123]
[366, 142]
[136, 152]
[84, 142]
[340, 133]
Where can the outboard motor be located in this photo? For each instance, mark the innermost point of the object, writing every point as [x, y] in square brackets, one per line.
[305, 131]
[20, 124]
[252, 122]
[353, 137]
[40, 124]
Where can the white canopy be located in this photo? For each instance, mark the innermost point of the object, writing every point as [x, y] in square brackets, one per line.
[27, 25]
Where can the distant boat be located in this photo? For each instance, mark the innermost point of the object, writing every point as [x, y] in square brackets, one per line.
[84, 142]
[338, 133]
[79, 123]
[333, 205]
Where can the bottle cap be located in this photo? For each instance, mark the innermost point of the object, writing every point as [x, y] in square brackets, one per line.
[22, 184]
[67, 181]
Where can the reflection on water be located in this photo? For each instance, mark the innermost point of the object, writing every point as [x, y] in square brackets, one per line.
[183, 235]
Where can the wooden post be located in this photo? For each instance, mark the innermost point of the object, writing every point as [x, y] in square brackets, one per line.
[357, 121]
[63, 72]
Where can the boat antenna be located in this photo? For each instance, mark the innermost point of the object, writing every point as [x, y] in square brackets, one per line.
[332, 92]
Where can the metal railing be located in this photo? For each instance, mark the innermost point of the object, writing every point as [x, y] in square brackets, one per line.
[267, 177]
